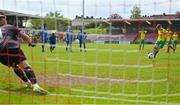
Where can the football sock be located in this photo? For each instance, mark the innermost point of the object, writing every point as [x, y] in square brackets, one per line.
[174, 46]
[42, 48]
[30, 75]
[51, 48]
[21, 74]
[140, 47]
[171, 47]
[66, 49]
[155, 51]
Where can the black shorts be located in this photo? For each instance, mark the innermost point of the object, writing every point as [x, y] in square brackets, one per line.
[12, 57]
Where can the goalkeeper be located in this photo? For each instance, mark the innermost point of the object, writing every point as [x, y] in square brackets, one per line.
[11, 54]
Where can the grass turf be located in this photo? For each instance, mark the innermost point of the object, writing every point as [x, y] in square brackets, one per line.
[100, 62]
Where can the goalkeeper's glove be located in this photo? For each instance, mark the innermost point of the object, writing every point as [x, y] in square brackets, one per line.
[31, 44]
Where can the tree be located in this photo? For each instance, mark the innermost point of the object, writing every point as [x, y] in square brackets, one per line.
[115, 16]
[56, 14]
[52, 19]
[135, 13]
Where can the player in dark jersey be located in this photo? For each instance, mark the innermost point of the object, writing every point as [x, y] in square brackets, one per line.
[52, 41]
[11, 54]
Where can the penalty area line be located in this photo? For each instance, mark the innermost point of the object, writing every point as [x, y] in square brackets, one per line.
[107, 98]
[113, 79]
[98, 98]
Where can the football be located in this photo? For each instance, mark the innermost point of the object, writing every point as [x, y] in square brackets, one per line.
[150, 55]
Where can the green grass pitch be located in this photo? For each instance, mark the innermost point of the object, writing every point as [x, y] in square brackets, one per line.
[105, 74]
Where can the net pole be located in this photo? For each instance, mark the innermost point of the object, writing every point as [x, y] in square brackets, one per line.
[70, 59]
[44, 53]
[138, 59]
[82, 55]
[96, 69]
[110, 70]
[110, 53]
[153, 61]
[124, 51]
[17, 19]
[169, 66]
[120, 39]
[96, 50]
[83, 71]
[32, 58]
[32, 54]
[57, 54]
[82, 27]
[110, 64]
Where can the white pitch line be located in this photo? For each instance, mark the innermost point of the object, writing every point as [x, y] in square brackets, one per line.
[88, 97]
[115, 80]
[4, 91]
[126, 95]
[94, 64]
[101, 98]
[112, 50]
[98, 64]
[99, 49]
[108, 98]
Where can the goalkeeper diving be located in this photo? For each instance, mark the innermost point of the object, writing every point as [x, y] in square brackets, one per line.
[11, 55]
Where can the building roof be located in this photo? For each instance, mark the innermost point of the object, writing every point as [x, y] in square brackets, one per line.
[14, 13]
[163, 16]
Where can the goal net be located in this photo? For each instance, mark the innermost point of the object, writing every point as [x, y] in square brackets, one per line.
[109, 66]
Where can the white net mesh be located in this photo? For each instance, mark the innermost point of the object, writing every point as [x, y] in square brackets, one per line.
[111, 70]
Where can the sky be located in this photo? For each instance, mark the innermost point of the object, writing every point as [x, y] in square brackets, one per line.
[96, 8]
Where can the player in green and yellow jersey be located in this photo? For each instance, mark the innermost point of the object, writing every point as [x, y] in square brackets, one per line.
[175, 38]
[161, 40]
[169, 39]
[142, 35]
